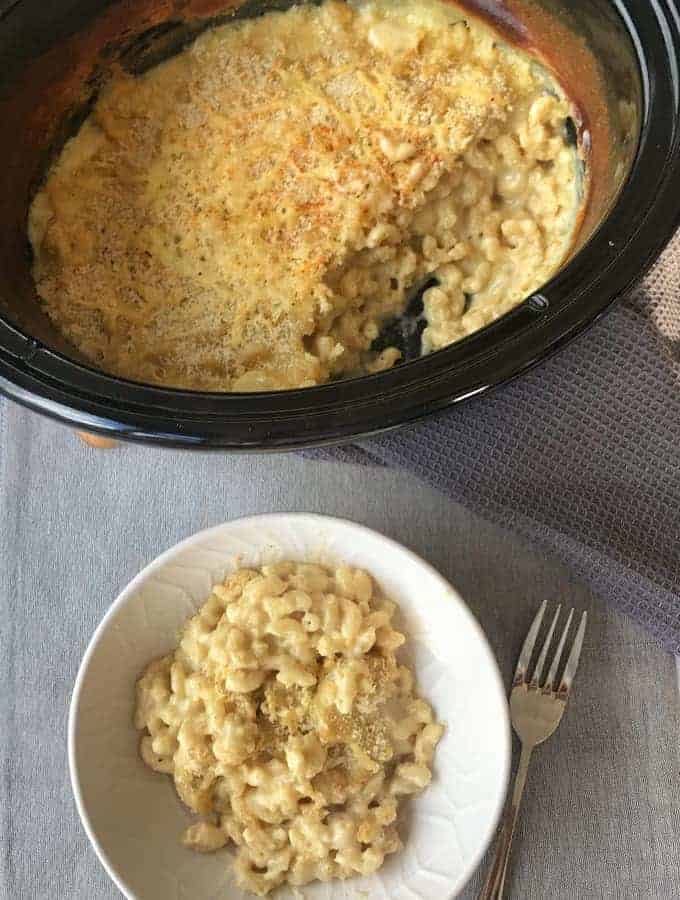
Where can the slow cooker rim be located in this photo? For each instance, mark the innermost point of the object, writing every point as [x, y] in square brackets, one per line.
[86, 398]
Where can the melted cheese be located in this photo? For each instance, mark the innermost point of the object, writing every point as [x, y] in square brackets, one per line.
[248, 214]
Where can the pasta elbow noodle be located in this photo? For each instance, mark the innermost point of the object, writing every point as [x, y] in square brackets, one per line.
[289, 724]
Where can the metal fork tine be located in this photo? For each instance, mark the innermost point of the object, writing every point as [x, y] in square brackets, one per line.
[536, 713]
[572, 662]
[528, 645]
[538, 671]
[552, 674]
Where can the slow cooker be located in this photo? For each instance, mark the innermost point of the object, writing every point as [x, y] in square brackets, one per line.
[619, 60]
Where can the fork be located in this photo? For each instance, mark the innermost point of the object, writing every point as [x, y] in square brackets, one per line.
[536, 710]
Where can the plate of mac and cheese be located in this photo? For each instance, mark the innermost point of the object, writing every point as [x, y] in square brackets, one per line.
[289, 705]
[260, 211]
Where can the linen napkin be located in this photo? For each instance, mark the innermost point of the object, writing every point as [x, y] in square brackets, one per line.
[581, 455]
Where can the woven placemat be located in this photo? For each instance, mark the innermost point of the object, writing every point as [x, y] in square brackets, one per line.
[581, 455]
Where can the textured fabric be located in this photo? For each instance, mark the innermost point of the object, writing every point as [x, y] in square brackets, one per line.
[602, 810]
[582, 454]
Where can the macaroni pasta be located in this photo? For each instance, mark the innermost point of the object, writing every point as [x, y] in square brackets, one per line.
[253, 213]
[287, 723]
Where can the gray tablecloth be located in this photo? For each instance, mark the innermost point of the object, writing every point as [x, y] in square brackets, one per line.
[602, 813]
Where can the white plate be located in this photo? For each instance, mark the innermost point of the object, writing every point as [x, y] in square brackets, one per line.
[132, 815]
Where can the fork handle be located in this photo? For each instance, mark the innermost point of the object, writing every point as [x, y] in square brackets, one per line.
[495, 882]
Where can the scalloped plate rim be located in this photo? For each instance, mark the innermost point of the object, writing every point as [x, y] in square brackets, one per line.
[282, 519]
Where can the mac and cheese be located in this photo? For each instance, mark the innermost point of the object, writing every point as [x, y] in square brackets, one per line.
[287, 723]
[250, 214]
